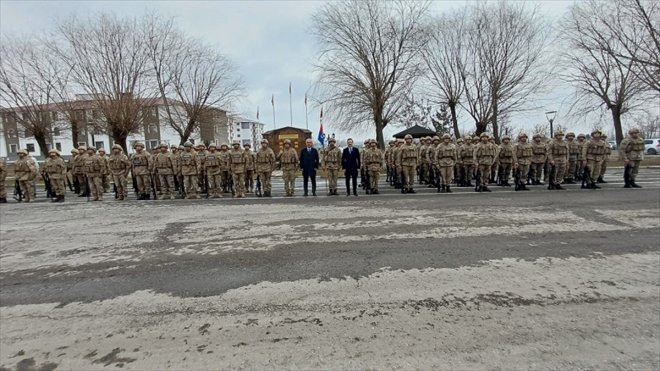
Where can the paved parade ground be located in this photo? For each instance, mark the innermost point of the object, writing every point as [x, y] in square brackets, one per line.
[528, 280]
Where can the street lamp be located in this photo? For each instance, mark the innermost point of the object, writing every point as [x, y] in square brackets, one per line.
[550, 115]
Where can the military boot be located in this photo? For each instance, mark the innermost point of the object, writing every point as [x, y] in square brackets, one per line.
[559, 187]
[410, 190]
[448, 190]
[55, 199]
[485, 189]
[635, 185]
[3, 200]
[627, 184]
[60, 199]
[593, 185]
[146, 196]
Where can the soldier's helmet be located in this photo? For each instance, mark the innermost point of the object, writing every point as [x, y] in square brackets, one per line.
[54, 151]
[483, 135]
[117, 146]
[102, 149]
[446, 136]
[213, 145]
[408, 136]
[187, 144]
[163, 144]
[333, 140]
[392, 141]
[537, 136]
[247, 145]
[181, 148]
[264, 141]
[596, 132]
[224, 145]
[581, 135]
[82, 148]
[22, 151]
[436, 138]
[236, 143]
[522, 135]
[570, 134]
[506, 137]
[467, 138]
[138, 144]
[459, 140]
[287, 141]
[604, 136]
[91, 149]
[633, 131]
[75, 150]
[559, 133]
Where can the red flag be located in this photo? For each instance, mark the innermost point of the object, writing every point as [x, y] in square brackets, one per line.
[321, 113]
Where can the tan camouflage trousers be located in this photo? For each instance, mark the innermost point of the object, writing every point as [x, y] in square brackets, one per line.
[166, 184]
[264, 177]
[121, 183]
[570, 169]
[82, 182]
[374, 175]
[26, 190]
[634, 169]
[95, 183]
[332, 175]
[536, 169]
[57, 186]
[289, 178]
[409, 173]
[190, 184]
[226, 177]
[603, 168]
[239, 184]
[484, 171]
[560, 171]
[594, 167]
[524, 172]
[447, 173]
[143, 183]
[469, 172]
[249, 180]
[215, 185]
[106, 183]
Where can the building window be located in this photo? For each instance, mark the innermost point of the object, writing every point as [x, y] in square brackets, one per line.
[30, 147]
[97, 131]
[54, 115]
[58, 146]
[238, 135]
[247, 141]
[152, 129]
[245, 125]
[98, 145]
[11, 133]
[56, 132]
[27, 133]
[82, 144]
[153, 144]
[13, 148]
[96, 114]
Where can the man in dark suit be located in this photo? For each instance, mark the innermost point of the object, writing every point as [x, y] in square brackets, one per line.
[350, 162]
[309, 162]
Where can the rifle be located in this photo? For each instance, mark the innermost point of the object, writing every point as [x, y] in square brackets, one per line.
[68, 182]
[477, 181]
[586, 177]
[18, 195]
[516, 179]
[87, 187]
[135, 185]
[438, 178]
[551, 177]
[403, 181]
[182, 188]
[49, 188]
[258, 186]
[114, 189]
[367, 184]
[362, 176]
[153, 186]
[626, 174]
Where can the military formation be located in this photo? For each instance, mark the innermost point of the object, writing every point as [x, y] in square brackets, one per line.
[190, 171]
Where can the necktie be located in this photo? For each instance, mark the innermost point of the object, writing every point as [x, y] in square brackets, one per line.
[350, 151]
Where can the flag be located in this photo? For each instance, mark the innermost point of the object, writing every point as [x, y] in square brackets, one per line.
[305, 99]
[257, 113]
[321, 137]
[321, 113]
[272, 100]
[289, 87]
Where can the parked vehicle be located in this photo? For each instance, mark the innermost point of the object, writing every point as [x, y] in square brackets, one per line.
[652, 146]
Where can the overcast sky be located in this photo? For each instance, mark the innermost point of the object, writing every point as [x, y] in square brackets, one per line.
[269, 41]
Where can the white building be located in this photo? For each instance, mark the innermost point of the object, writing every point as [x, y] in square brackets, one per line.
[154, 129]
[246, 131]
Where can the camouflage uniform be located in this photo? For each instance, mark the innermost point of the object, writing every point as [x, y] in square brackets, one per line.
[558, 157]
[484, 156]
[224, 168]
[331, 166]
[142, 165]
[164, 168]
[506, 157]
[466, 157]
[446, 155]
[78, 171]
[94, 166]
[25, 171]
[603, 167]
[104, 171]
[264, 161]
[432, 161]
[210, 161]
[523, 159]
[119, 166]
[631, 151]
[594, 152]
[374, 159]
[289, 164]
[408, 158]
[249, 169]
[573, 153]
[3, 177]
[539, 154]
[55, 168]
[238, 159]
[189, 166]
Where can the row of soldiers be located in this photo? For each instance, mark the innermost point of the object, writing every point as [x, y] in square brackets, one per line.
[437, 160]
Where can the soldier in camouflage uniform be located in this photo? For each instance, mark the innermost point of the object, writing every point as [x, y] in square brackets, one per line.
[506, 157]
[93, 170]
[484, 156]
[289, 164]
[594, 152]
[631, 151]
[224, 168]
[396, 161]
[119, 166]
[446, 155]
[374, 159]
[539, 154]
[388, 160]
[25, 171]
[210, 163]
[408, 158]
[55, 168]
[165, 169]
[200, 151]
[573, 153]
[189, 167]
[466, 157]
[105, 180]
[431, 160]
[557, 157]
[496, 164]
[522, 160]
[264, 165]
[249, 168]
[603, 168]
[581, 141]
[3, 177]
[331, 166]
[237, 161]
[425, 144]
[78, 171]
[142, 165]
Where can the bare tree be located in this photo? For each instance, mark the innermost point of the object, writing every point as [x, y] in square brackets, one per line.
[192, 77]
[109, 60]
[601, 79]
[506, 43]
[25, 74]
[445, 58]
[370, 59]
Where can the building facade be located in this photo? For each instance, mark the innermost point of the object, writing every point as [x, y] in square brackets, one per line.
[277, 137]
[153, 129]
[246, 131]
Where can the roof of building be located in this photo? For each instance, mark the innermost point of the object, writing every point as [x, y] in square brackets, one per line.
[81, 104]
[287, 127]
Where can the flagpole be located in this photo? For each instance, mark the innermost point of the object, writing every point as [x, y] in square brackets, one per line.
[272, 102]
[290, 105]
[306, 115]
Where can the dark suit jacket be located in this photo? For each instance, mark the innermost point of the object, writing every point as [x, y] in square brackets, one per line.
[309, 160]
[350, 161]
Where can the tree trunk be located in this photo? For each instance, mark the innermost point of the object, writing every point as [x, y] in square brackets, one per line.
[616, 117]
[119, 137]
[454, 119]
[74, 133]
[496, 129]
[40, 137]
[379, 134]
[481, 127]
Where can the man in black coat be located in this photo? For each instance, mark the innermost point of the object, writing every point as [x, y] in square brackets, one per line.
[350, 162]
[309, 162]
